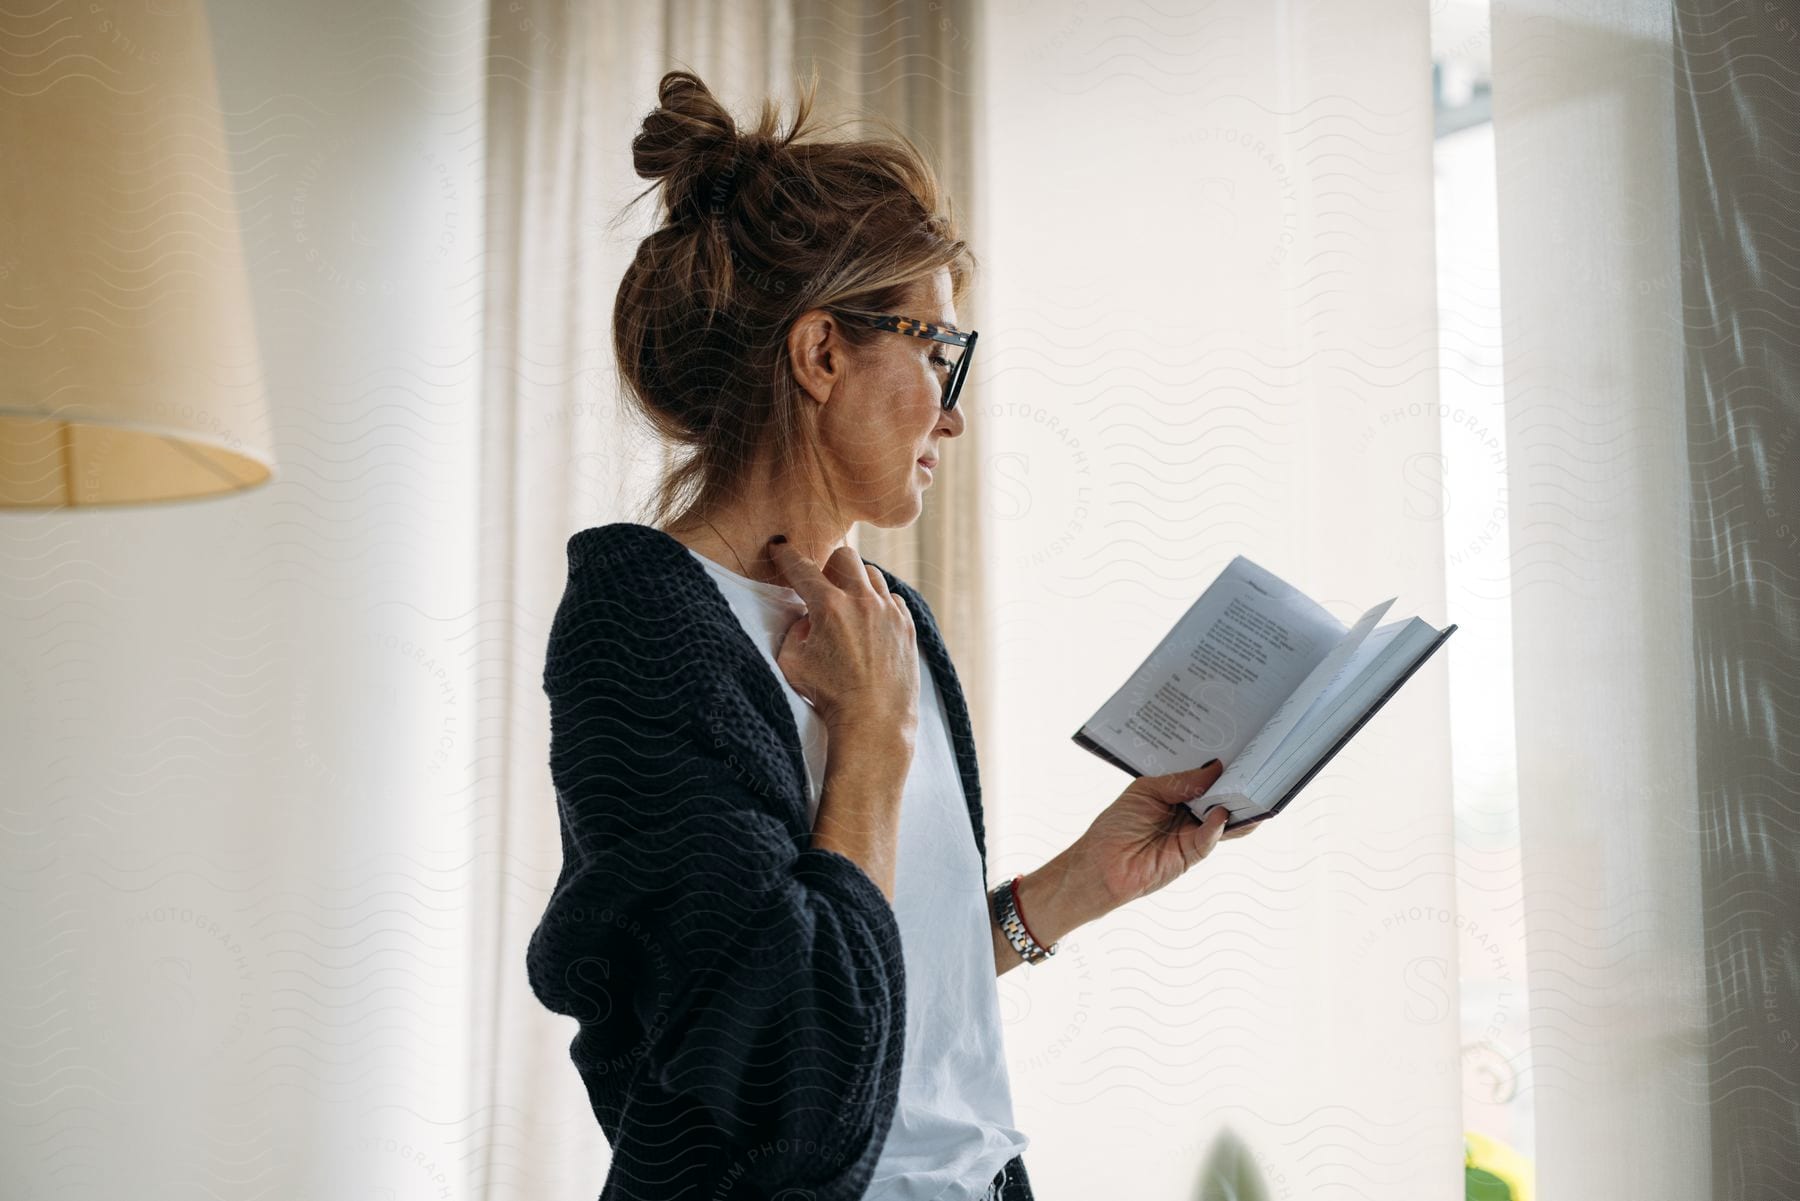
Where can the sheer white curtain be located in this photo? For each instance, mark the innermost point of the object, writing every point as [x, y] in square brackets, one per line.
[1213, 331]
[1584, 124]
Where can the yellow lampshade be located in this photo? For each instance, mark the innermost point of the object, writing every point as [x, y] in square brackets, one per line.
[129, 368]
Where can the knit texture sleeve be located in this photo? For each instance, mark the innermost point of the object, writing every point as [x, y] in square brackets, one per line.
[740, 994]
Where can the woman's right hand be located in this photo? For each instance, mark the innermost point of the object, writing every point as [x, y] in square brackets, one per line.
[855, 655]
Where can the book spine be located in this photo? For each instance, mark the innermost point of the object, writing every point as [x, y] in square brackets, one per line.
[1082, 740]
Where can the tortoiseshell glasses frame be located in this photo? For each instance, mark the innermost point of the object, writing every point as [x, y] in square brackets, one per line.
[947, 334]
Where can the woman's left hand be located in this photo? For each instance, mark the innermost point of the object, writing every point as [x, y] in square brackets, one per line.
[1148, 837]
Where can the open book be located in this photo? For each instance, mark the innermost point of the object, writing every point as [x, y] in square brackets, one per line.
[1258, 674]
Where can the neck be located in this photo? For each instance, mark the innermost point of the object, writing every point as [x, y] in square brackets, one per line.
[736, 537]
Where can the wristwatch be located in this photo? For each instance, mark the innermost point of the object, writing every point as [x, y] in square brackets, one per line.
[1003, 900]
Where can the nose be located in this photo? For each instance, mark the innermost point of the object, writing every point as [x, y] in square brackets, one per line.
[952, 423]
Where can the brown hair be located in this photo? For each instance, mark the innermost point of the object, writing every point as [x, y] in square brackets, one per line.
[758, 228]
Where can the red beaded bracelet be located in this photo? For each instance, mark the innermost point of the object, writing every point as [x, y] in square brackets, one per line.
[1021, 912]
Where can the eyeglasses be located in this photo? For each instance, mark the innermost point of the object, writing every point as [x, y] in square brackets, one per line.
[958, 358]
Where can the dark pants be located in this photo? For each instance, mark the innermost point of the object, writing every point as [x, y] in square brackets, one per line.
[1011, 1183]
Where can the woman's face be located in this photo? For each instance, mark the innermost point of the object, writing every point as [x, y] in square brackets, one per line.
[887, 412]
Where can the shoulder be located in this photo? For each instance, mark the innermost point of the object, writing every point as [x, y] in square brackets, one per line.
[645, 648]
[637, 568]
[625, 551]
[634, 608]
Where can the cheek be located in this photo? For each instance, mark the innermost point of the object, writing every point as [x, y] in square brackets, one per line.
[908, 407]
[916, 387]
[895, 421]
[872, 444]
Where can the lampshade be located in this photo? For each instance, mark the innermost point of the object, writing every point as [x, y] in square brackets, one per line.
[129, 370]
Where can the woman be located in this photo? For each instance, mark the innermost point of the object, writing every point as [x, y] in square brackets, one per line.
[773, 921]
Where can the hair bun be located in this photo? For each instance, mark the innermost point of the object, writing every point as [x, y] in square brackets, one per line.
[702, 315]
[689, 143]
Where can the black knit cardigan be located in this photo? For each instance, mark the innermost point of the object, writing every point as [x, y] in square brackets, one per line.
[741, 994]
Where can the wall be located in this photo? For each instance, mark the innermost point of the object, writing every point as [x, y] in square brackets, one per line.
[238, 734]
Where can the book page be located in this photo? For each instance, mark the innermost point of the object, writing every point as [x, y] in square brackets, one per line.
[1373, 669]
[1218, 676]
[1323, 680]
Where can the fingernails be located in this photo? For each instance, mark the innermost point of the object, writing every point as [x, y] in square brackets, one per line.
[1208, 764]
[777, 538]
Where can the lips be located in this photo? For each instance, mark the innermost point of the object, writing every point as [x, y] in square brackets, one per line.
[928, 462]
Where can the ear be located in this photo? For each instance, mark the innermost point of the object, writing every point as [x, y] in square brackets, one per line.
[818, 353]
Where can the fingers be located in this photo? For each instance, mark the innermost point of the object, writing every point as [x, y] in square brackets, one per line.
[1215, 818]
[1205, 836]
[1177, 787]
[801, 574]
[845, 568]
[879, 582]
[1222, 817]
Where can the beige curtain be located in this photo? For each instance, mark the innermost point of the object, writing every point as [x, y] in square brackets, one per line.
[916, 64]
[569, 85]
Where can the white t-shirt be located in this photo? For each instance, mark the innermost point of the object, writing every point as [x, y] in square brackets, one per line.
[953, 1129]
